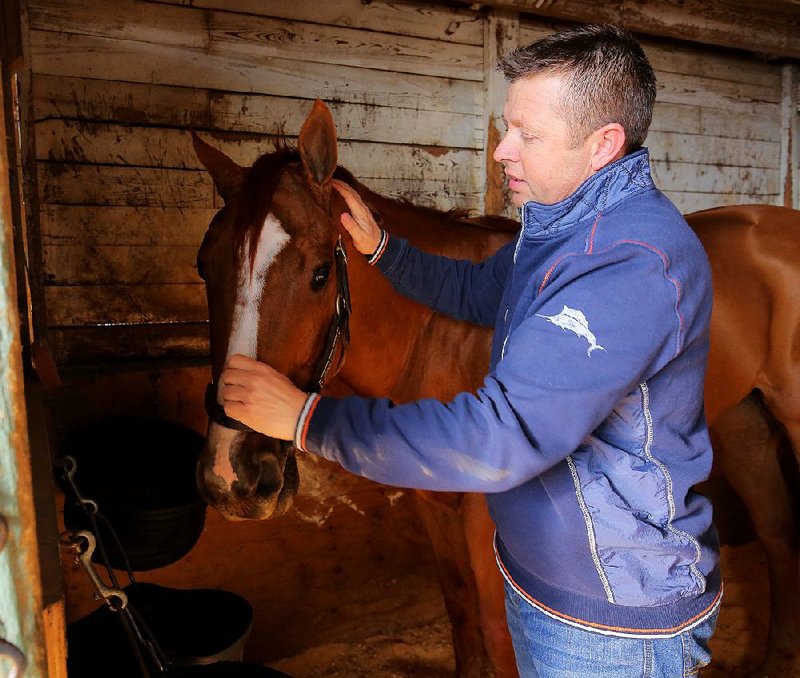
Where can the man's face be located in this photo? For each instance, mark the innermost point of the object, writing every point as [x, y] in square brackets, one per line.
[536, 150]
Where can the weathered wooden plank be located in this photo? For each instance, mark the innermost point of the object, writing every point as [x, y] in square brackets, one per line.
[421, 19]
[63, 183]
[122, 20]
[501, 36]
[722, 23]
[107, 59]
[763, 126]
[438, 195]
[679, 88]
[79, 224]
[712, 63]
[116, 101]
[696, 178]
[681, 58]
[144, 186]
[790, 138]
[754, 100]
[57, 96]
[87, 264]
[125, 304]
[86, 184]
[354, 121]
[69, 141]
[105, 345]
[676, 118]
[132, 102]
[683, 71]
[719, 23]
[676, 147]
[254, 38]
[692, 202]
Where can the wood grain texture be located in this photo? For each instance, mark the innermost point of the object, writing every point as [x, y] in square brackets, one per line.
[116, 88]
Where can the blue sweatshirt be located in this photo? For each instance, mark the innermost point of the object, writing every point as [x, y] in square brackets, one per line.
[588, 433]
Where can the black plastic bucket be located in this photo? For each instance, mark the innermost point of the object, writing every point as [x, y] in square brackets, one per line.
[226, 670]
[200, 631]
[141, 473]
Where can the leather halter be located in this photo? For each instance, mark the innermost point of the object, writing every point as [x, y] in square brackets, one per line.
[338, 338]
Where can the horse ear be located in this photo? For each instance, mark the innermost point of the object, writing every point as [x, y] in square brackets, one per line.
[227, 175]
[317, 144]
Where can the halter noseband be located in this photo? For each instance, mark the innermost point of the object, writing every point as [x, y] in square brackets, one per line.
[338, 335]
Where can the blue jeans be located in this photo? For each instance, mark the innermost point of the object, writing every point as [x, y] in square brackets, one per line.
[547, 648]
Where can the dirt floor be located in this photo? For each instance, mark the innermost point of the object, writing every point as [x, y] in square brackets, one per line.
[426, 650]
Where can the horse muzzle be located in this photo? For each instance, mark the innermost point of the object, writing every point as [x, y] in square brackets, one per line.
[246, 476]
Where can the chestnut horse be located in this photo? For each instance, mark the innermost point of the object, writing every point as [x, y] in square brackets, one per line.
[278, 291]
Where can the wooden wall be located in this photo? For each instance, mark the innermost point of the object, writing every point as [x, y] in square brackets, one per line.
[123, 202]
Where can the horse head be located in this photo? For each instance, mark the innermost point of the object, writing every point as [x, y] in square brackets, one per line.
[275, 273]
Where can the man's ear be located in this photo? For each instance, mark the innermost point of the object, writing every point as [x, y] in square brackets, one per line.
[608, 145]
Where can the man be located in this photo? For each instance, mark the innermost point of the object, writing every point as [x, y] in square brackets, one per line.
[588, 433]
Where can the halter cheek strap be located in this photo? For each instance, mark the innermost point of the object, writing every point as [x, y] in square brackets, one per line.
[339, 331]
[337, 340]
[217, 414]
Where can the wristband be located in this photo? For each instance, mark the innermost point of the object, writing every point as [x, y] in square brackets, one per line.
[373, 258]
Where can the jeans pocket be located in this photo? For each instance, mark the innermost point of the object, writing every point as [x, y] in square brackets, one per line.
[696, 653]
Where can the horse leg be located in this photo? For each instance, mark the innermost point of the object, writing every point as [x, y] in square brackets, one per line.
[786, 645]
[748, 445]
[479, 529]
[441, 515]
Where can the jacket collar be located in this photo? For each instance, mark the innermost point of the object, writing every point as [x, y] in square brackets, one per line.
[615, 182]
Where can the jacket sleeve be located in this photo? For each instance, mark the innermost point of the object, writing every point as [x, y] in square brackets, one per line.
[459, 288]
[603, 325]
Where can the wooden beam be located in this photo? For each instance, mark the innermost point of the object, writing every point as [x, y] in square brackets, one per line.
[772, 27]
[501, 36]
[20, 581]
[790, 138]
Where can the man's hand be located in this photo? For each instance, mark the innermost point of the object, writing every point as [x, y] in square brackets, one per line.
[261, 397]
[359, 223]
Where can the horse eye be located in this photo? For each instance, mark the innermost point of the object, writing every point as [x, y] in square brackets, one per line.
[320, 276]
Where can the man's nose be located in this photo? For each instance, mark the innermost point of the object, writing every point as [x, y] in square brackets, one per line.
[504, 152]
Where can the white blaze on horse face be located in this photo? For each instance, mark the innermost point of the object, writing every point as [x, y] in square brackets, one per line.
[244, 329]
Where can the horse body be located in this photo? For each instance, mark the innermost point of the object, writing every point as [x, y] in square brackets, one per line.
[752, 394]
[405, 351]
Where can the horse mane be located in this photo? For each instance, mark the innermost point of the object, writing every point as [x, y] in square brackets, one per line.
[261, 182]
[459, 216]
[258, 190]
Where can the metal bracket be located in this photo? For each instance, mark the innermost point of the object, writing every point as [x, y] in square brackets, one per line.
[11, 653]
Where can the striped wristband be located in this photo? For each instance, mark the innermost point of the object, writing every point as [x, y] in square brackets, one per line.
[301, 427]
[379, 250]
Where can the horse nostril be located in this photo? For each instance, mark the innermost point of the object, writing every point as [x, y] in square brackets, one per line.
[270, 477]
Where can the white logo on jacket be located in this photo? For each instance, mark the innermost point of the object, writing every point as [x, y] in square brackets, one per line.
[574, 321]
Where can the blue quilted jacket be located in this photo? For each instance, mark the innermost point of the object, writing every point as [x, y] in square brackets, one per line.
[588, 433]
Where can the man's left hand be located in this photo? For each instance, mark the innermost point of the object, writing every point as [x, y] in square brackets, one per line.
[260, 397]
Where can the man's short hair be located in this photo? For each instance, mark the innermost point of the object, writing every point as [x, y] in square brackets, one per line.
[607, 78]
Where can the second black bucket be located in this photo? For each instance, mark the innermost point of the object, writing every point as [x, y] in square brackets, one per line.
[141, 473]
[192, 627]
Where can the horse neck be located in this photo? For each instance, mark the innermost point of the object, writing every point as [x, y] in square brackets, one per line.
[447, 233]
[402, 349]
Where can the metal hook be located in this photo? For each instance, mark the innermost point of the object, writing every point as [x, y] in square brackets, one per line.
[14, 654]
[75, 540]
[68, 465]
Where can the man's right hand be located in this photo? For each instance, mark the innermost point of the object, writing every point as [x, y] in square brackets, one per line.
[359, 223]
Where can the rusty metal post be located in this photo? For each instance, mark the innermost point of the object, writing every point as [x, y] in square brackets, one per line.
[21, 629]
